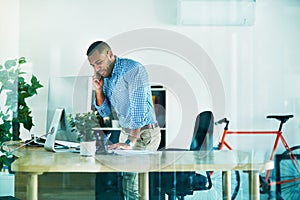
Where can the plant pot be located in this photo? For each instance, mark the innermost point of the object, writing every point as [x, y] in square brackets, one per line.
[7, 182]
[88, 148]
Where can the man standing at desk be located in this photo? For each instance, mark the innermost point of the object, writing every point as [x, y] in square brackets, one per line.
[123, 85]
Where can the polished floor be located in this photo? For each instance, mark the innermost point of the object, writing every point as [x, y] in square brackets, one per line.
[67, 186]
[216, 191]
[60, 186]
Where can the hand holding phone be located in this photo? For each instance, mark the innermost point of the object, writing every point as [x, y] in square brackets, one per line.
[98, 75]
[98, 80]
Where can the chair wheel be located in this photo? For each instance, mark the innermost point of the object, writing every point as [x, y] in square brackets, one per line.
[264, 186]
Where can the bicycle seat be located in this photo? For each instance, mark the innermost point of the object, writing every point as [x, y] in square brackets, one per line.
[282, 118]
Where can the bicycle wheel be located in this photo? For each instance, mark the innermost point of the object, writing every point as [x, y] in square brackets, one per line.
[288, 171]
[235, 184]
[216, 190]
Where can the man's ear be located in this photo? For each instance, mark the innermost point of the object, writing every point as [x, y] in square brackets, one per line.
[110, 54]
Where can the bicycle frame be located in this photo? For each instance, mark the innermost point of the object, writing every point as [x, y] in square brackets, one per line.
[279, 136]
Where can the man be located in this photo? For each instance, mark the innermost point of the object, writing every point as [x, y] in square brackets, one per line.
[123, 85]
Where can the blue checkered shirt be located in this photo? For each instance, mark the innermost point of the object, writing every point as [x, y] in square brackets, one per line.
[128, 92]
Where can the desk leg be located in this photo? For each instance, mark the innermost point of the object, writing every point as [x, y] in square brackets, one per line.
[144, 186]
[226, 179]
[32, 186]
[254, 185]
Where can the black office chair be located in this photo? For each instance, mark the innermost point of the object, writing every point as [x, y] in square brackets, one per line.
[179, 184]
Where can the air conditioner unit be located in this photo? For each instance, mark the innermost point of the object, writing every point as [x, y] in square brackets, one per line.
[216, 12]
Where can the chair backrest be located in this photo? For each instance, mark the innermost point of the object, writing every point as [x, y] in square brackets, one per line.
[203, 132]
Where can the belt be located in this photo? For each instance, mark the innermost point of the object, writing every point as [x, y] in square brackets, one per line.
[149, 126]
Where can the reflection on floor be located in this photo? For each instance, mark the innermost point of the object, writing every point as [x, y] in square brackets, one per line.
[69, 186]
[216, 191]
[59, 186]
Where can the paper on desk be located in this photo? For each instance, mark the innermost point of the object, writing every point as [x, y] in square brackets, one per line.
[67, 143]
[133, 152]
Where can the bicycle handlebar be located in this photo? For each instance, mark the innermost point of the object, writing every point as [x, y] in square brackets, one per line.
[221, 121]
[281, 118]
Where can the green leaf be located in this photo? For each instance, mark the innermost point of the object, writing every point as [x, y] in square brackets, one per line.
[31, 91]
[5, 130]
[9, 86]
[22, 60]
[21, 80]
[1, 164]
[12, 101]
[26, 118]
[21, 99]
[10, 63]
[13, 74]
[28, 123]
[35, 83]
[1, 67]
[5, 117]
[4, 76]
[4, 160]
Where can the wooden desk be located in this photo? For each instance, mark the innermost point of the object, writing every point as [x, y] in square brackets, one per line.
[36, 161]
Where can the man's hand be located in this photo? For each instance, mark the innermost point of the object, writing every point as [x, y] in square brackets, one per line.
[98, 81]
[119, 146]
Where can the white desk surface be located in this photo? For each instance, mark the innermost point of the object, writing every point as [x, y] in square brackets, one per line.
[35, 159]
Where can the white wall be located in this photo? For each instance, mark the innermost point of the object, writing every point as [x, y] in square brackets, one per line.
[259, 65]
[9, 34]
[9, 29]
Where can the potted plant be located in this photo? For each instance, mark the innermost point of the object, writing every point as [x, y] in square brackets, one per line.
[15, 111]
[14, 90]
[83, 124]
[5, 135]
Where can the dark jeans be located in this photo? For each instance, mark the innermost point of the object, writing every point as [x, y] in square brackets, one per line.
[109, 185]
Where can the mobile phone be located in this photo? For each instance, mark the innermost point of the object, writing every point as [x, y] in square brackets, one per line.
[98, 76]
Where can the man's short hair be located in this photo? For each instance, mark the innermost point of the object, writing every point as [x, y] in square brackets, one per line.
[98, 45]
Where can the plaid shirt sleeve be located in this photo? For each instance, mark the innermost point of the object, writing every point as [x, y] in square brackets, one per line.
[104, 109]
[138, 96]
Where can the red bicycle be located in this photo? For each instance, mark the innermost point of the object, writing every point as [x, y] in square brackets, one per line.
[287, 167]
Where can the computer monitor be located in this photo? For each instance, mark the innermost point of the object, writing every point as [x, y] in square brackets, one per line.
[73, 94]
